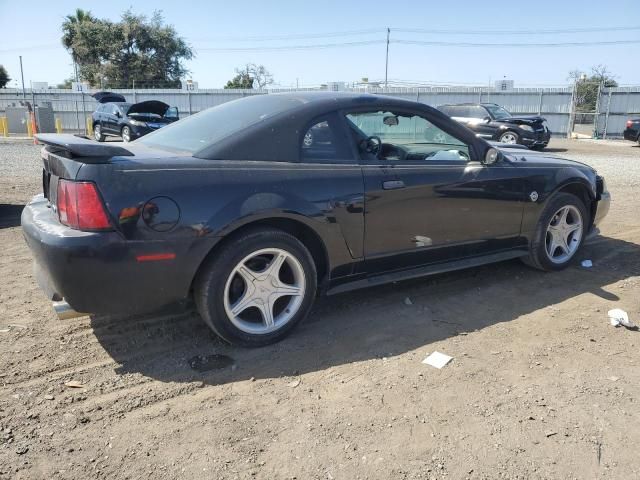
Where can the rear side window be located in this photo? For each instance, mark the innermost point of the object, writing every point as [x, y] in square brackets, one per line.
[322, 142]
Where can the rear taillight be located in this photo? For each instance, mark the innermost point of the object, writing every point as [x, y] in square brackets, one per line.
[80, 206]
[629, 123]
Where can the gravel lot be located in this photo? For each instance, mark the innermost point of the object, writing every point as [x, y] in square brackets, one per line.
[541, 385]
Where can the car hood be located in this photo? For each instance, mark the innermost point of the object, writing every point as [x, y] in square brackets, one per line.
[531, 158]
[106, 97]
[525, 119]
[150, 106]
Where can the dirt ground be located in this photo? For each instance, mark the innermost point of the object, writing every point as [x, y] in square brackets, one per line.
[541, 386]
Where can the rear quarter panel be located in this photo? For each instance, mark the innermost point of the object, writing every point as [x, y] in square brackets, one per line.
[216, 197]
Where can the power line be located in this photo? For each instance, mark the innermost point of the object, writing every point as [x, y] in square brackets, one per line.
[516, 32]
[518, 45]
[291, 47]
[293, 36]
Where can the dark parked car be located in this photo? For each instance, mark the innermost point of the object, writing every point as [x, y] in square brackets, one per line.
[115, 117]
[492, 122]
[234, 207]
[632, 132]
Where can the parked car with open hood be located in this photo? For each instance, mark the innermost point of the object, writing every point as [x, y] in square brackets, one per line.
[632, 130]
[115, 117]
[492, 122]
[237, 208]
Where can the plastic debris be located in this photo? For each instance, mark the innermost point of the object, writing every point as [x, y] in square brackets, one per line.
[587, 263]
[407, 301]
[74, 384]
[437, 359]
[619, 317]
[293, 384]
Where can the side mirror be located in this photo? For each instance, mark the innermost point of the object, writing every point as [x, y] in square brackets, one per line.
[487, 119]
[172, 113]
[118, 114]
[492, 156]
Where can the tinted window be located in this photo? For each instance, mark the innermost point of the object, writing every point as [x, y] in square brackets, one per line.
[322, 141]
[212, 125]
[498, 112]
[477, 112]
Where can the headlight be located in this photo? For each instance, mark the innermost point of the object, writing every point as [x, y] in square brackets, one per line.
[137, 123]
[527, 128]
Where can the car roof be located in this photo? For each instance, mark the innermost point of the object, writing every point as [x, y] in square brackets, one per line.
[279, 135]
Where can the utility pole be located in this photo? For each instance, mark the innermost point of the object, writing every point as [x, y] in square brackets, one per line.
[386, 65]
[24, 92]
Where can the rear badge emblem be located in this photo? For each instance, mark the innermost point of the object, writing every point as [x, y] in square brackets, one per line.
[533, 196]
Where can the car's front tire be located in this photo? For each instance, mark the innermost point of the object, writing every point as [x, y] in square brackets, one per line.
[97, 133]
[126, 134]
[256, 288]
[559, 234]
[509, 137]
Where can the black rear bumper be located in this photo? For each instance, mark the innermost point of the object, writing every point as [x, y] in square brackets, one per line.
[98, 272]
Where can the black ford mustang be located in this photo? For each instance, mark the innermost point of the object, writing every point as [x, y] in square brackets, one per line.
[237, 208]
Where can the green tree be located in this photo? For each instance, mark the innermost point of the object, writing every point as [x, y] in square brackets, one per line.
[4, 77]
[241, 80]
[66, 84]
[587, 86]
[135, 49]
[250, 76]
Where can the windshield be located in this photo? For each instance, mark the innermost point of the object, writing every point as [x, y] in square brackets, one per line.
[497, 112]
[212, 125]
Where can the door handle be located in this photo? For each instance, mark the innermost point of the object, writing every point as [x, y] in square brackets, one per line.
[393, 184]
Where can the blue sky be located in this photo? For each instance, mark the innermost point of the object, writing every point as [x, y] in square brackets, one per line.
[32, 29]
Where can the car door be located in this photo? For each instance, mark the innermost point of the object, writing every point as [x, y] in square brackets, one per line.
[435, 202]
[334, 180]
[111, 118]
[482, 122]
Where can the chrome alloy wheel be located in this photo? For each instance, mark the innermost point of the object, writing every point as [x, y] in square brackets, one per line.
[264, 291]
[509, 137]
[126, 134]
[307, 141]
[564, 233]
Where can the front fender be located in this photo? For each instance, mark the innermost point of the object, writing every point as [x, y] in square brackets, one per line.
[546, 185]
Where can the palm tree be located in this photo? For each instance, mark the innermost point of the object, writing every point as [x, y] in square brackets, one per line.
[70, 25]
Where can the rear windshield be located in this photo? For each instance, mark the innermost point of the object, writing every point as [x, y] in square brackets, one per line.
[198, 131]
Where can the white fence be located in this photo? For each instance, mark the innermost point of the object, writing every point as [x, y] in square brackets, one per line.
[615, 106]
[555, 104]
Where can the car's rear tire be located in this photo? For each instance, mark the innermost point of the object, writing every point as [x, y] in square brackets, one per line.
[257, 287]
[509, 137]
[97, 133]
[559, 233]
[126, 134]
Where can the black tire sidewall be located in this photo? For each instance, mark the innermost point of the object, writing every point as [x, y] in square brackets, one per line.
[539, 245]
[210, 285]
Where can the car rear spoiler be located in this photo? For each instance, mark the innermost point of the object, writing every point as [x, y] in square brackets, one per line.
[80, 146]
